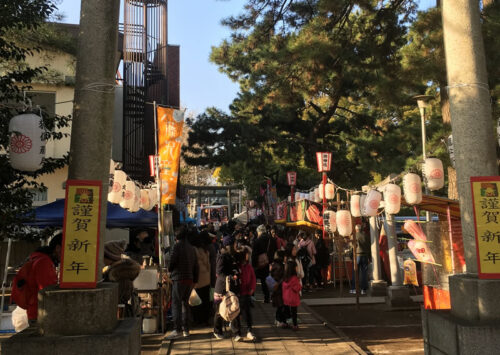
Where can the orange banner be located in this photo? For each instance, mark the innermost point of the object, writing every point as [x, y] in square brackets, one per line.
[170, 124]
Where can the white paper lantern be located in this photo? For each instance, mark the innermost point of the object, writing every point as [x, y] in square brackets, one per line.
[27, 143]
[289, 198]
[330, 221]
[392, 198]
[344, 223]
[362, 209]
[412, 186]
[434, 173]
[329, 191]
[137, 200]
[372, 201]
[355, 207]
[145, 203]
[119, 179]
[128, 199]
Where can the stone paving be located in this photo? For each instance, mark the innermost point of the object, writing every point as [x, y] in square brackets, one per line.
[313, 337]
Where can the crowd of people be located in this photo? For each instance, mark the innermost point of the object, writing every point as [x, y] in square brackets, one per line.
[232, 259]
[213, 264]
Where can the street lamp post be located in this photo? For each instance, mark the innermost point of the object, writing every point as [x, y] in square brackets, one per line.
[423, 103]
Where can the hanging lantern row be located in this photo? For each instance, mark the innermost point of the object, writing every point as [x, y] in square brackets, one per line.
[130, 196]
[27, 142]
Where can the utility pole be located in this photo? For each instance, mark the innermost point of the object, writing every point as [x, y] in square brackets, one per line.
[91, 132]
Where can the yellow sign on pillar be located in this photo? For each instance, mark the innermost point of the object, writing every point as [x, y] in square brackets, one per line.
[80, 248]
[486, 203]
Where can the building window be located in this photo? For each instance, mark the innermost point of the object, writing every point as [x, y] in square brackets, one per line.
[39, 197]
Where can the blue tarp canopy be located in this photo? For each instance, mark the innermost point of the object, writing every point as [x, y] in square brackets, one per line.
[52, 215]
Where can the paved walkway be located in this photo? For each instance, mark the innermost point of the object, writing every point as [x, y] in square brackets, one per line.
[313, 337]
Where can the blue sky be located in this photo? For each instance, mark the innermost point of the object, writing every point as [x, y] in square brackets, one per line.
[195, 26]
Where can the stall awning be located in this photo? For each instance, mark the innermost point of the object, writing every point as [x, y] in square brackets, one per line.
[437, 205]
[52, 215]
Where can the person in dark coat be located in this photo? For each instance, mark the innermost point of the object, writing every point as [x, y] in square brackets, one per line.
[277, 273]
[363, 252]
[227, 266]
[183, 269]
[263, 245]
[202, 242]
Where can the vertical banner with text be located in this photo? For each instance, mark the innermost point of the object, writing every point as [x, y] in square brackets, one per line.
[486, 203]
[80, 248]
[170, 124]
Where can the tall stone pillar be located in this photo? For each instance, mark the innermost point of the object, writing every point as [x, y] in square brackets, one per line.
[378, 287]
[471, 327]
[473, 132]
[397, 294]
[91, 131]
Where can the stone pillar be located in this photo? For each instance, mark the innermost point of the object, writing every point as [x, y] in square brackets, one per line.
[91, 131]
[475, 149]
[378, 287]
[471, 327]
[397, 294]
[392, 244]
[374, 237]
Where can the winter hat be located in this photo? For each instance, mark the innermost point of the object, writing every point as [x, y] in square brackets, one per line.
[227, 240]
[114, 249]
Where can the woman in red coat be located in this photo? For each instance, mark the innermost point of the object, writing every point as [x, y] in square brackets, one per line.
[291, 291]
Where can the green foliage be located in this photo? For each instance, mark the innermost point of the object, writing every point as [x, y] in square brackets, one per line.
[334, 76]
[15, 194]
[312, 75]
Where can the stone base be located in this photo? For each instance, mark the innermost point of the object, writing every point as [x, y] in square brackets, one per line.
[444, 333]
[377, 288]
[78, 311]
[398, 296]
[124, 340]
[473, 299]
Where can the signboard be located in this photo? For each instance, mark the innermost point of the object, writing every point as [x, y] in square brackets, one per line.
[170, 124]
[292, 178]
[80, 247]
[486, 204]
[324, 161]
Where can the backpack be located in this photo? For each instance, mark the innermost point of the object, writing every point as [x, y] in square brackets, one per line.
[304, 257]
[229, 308]
[21, 294]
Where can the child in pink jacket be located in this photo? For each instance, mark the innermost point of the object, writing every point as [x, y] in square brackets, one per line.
[291, 291]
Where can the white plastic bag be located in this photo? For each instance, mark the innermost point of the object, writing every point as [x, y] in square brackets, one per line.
[194, 299]
[19, 319]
